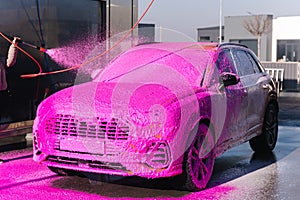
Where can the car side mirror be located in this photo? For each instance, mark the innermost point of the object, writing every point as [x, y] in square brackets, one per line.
[229, 79]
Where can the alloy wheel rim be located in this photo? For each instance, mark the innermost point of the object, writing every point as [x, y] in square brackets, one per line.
[271, 127]
[200, 167]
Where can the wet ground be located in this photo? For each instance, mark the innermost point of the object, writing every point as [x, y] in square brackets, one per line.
[238, 174]
[289, 114]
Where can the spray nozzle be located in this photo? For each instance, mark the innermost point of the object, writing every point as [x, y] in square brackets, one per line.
[42, 49]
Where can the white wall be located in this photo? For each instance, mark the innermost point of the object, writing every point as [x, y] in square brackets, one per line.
[284, 28]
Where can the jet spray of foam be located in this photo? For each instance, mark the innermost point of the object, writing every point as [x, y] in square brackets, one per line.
[74, 53]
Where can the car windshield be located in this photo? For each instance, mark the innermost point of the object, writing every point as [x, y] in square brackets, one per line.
[173, 60]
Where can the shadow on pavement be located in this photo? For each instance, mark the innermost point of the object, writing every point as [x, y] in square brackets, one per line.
[115, 186]
[228, 168]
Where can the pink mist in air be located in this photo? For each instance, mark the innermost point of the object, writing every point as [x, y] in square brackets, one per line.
[74, 53]
[90, 53]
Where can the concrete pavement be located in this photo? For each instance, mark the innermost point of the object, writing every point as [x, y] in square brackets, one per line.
[289, 108]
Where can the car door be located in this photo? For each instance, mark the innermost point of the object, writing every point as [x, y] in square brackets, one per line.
[258, 95]
[236, 97]
[252, 80]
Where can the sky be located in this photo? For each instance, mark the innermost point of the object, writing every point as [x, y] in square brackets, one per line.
[183, 17]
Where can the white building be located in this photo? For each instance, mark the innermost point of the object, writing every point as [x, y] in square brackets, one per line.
[286, 39]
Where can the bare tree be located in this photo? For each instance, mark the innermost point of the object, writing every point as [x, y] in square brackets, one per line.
[257, 26]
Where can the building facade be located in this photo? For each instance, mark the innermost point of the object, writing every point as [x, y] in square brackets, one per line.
[210, 34]
[280, 43]
[235, 31]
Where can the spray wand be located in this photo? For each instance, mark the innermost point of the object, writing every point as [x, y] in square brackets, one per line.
[41, 49]
[19, 41]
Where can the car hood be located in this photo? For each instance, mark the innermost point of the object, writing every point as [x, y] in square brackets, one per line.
[124, 100]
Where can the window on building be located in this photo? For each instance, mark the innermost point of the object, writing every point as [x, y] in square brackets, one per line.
[288, 50]
[204, 38]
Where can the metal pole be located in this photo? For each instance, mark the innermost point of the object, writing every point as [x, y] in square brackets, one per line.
[220, 26]
[109, 18]
[132, 13]
[160, 33]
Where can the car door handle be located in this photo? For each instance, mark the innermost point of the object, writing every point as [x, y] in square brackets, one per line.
[266, 86]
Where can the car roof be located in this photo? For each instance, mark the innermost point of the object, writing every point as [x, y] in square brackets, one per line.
[198, 46]
[175, 46]
[229, 44]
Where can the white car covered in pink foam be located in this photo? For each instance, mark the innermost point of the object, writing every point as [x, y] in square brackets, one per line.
[160, 110]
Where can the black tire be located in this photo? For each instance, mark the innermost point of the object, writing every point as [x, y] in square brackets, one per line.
[21, 145]
[62, 172]
[267, 140]
[197, 170]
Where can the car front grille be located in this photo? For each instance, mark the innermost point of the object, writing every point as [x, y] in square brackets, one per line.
[96, 127]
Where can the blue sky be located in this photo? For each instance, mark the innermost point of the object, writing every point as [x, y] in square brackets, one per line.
[186, 16]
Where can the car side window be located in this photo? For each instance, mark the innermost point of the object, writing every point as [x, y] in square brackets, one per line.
[255, 64]
[243, 63]
[225, 62]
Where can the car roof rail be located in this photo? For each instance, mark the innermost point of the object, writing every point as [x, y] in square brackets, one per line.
[232, 44]
[145, 43]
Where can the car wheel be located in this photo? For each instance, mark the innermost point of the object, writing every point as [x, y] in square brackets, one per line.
[267, 140]
[199, 160]
[21, 145]
[62, 172]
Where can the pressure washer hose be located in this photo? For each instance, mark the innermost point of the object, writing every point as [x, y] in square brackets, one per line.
[41, 73]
